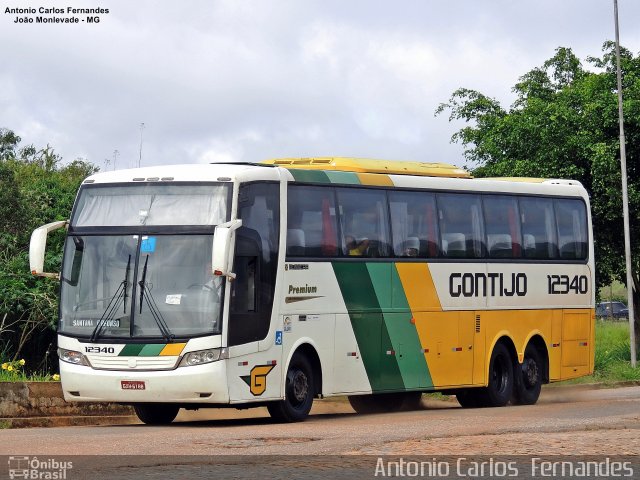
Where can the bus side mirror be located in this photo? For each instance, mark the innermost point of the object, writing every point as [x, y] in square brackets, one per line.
[37, 247]
[221, 248]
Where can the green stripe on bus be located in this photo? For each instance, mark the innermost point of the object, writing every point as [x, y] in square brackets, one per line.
[131, 350]
[368, 324]
[346, 178]
[151, 350]
[356, 287]
[310, 176]
[405, 338]
[380, 275]
[404, 341]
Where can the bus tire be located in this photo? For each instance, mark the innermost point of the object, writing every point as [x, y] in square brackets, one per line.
[528, 377]
[500, 387]
[299, 392]
[470, 398]
[156, 413]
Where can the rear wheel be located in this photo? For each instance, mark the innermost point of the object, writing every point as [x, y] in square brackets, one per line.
[528, 377]
[299, 392]
[500, 388]
[156, 413]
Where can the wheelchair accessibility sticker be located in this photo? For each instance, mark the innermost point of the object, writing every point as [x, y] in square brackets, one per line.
[278, 337]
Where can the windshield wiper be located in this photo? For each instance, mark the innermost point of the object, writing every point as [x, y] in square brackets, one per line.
[153, 306]
[126, 283]
[110, 312]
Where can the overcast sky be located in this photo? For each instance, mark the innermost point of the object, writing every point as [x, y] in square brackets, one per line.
[220, 80]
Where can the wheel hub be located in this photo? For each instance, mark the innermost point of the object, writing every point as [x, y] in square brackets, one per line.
[299, 386]
[530, 372]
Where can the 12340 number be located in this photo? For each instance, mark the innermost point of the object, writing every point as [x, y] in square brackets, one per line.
[564, 284]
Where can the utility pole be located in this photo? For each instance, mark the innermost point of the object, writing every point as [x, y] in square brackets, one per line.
[140, 157]
[115, 157]
[625, 199]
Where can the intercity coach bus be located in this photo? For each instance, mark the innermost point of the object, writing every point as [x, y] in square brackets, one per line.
[272, 284]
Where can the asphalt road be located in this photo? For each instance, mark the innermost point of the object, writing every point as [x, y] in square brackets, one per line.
[573, 421]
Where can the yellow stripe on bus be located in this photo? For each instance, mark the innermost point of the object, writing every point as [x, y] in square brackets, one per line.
[418, 286]
[172, 349]
[375, 179]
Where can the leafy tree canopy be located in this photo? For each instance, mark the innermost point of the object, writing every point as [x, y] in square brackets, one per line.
[564, 124]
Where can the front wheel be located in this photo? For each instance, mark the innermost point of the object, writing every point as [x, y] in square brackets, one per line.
[528, 377]
[156, 413]
[299, 392]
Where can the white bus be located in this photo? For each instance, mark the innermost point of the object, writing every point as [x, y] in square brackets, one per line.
[273, 284]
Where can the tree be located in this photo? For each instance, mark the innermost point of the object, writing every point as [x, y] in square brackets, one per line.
[564, 124]
[35, 188]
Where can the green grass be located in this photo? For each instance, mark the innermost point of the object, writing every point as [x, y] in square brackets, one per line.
[612, 356]
[615, 292]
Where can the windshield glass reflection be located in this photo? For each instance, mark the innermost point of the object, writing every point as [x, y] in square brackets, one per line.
[141, 286]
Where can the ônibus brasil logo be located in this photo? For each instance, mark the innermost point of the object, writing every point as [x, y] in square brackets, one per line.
[35, 468]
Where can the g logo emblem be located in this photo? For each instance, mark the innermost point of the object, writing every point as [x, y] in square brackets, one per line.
[257, 380]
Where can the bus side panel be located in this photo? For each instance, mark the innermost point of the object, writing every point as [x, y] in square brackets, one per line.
[555, 350]
[576, 341]
[255, 376]
[349, 373]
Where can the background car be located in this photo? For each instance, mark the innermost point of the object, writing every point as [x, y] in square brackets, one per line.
[612, 310]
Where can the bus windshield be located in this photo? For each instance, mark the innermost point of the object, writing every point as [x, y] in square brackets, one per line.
[137, 262]
[139, 286]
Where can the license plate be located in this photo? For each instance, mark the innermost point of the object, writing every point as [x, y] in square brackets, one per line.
[132, 385]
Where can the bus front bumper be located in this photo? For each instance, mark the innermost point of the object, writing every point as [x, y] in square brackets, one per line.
[194, 384]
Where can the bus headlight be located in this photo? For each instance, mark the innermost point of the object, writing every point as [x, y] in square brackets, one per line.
[204, 356]
[71, 356]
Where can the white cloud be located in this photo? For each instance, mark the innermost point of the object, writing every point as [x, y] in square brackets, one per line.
[246, 80]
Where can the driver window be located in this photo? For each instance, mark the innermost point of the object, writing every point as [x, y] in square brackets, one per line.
[255, 262]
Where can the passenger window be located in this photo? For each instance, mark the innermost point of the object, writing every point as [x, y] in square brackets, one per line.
[461, 225]
[312, 225]
[538, 228]
[364, 222]
[502, 224]
[571, 218]
[414, 224]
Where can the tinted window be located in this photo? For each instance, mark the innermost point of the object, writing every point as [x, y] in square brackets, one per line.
[538, 228]
[364, 220]
[312, 225]
[502, 225]
[571, 217]
[461, 225]
[414, 224]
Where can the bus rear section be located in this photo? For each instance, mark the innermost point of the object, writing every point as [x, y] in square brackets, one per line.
[479, 288]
